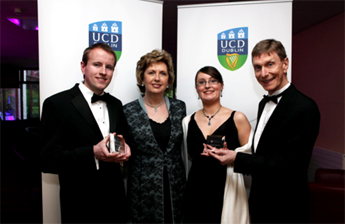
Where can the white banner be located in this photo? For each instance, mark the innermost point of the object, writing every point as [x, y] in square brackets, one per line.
[211, 34]
[65, 30]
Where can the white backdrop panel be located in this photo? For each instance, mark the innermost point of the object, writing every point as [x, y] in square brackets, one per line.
[198, 26]
[63, 36]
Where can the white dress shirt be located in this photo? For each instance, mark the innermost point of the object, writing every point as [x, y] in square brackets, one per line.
[266, 114]
[100, 112]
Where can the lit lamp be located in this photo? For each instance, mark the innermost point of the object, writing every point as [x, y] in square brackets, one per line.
[25, 23]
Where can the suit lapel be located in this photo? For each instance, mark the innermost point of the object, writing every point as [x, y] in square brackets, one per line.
[261, 108]
[112, 119]
[83, 108]
[281, 110]
[279, 114]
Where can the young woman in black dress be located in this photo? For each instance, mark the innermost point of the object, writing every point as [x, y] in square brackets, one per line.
[204, 197]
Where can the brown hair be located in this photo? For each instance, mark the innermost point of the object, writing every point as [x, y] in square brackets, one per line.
[153, 57]
[103, 46]
[212, 71]
[268, 46]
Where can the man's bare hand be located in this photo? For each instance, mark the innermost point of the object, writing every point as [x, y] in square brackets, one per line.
[101, 151]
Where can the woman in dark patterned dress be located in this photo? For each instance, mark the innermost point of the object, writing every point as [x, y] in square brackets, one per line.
[156, 177]
[214, 194]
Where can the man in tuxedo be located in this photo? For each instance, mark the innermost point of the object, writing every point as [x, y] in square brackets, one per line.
[76, 124]
[287, 128]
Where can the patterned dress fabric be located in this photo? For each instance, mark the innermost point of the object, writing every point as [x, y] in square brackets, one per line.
[203, 201]
[147, 164]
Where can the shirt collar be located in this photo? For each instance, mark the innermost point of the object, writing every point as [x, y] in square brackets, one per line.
[281, 90]
[87, 93]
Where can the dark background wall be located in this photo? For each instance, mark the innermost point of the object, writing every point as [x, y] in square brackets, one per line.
[317, 70]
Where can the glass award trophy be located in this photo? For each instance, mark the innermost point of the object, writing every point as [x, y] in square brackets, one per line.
[116, 144]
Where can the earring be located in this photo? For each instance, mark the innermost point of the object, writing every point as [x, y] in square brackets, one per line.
[167, 87]
[221, 93]
[142, 84]
[198, 97]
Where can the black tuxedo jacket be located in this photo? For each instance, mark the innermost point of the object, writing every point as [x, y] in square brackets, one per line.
[279, 191]
[69, 132]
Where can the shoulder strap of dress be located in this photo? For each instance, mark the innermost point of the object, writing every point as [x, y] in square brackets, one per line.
[233, 114]
[192, 116]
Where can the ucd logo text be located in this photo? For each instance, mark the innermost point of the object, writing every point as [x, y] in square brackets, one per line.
[233, 48]
[108, 32]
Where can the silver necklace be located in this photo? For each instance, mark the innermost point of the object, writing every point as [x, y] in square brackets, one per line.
[209, 118]
[154, 106]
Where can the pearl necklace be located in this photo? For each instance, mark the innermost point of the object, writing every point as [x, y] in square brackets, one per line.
[154, 106]
[209, 118]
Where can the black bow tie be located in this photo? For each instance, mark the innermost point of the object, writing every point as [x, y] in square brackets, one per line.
[273, 98]
[96, 97]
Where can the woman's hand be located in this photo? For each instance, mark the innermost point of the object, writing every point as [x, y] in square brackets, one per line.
[224, 155]
[205, 151]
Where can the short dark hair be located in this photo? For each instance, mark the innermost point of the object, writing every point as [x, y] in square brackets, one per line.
[103, 46]
[212, 71]
[153, 57]
[267, 46]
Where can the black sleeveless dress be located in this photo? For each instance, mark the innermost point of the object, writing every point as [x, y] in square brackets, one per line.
[204, 194]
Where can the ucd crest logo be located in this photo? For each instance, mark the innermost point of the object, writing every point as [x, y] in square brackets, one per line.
[108, 32]
[233, 48]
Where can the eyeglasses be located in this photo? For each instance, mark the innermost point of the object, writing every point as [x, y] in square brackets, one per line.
[211, 82]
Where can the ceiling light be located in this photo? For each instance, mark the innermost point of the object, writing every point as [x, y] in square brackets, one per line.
[25, 23]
